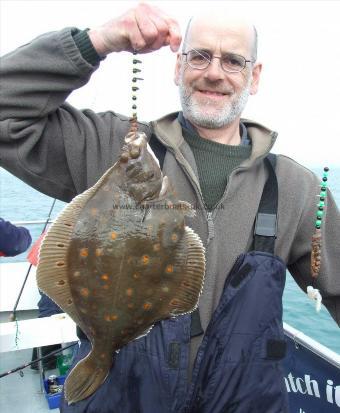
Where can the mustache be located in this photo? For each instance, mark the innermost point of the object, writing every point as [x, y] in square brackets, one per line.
[217, 87]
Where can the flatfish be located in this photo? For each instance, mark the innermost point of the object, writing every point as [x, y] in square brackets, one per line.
[119, 258]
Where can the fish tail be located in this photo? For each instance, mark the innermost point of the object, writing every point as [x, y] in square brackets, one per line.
[85, 378]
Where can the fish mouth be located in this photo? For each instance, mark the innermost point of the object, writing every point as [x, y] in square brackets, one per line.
[138, 139]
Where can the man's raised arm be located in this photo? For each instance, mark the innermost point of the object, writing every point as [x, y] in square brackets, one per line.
[46, 142]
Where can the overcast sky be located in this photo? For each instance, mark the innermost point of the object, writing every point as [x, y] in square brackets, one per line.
[298, 46]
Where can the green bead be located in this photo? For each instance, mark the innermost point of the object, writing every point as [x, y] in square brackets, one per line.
[323, 193]
[319, 214]
[321, 204]
[318, 222]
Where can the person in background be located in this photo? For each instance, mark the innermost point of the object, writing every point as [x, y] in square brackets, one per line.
[217, 161]
[13, 240]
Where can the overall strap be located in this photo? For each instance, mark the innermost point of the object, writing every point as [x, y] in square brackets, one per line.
[266, 218]
[159, 149]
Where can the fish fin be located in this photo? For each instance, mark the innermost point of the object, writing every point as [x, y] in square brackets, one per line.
[145, 333]
[87, 375]
[192, 254]
[186, 208]
[51, 273]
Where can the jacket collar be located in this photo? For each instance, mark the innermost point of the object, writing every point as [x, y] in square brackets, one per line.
[169, 131]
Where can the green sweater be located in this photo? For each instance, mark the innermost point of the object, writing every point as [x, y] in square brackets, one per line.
[215, 162]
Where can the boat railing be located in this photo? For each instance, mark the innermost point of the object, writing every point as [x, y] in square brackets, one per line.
[301, 339]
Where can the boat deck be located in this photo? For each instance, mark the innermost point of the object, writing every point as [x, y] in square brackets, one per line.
[22, 394]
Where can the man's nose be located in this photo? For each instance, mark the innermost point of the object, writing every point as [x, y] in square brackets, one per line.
[214, 71]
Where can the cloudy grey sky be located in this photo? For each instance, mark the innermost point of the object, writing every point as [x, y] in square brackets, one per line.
[298, 46]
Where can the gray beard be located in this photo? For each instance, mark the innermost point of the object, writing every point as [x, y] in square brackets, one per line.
[195, 113]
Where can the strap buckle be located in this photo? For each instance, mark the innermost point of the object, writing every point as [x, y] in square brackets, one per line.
[266, 225]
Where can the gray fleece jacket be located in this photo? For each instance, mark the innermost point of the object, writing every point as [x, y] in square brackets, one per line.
[61, 151]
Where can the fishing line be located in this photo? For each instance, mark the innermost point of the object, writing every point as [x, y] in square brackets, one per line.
[312, 292]
[13, 316]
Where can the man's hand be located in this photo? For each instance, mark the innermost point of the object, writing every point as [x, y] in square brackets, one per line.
[144, 28]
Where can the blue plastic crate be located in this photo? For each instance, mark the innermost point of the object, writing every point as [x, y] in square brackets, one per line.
[53, 400]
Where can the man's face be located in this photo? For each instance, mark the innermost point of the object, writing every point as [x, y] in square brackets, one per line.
[212, 98]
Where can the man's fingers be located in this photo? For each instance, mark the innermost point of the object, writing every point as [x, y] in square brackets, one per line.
[156, 29]
[144, 28]
[175, 37]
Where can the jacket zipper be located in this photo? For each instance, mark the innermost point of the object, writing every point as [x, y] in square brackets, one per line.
[211, 226]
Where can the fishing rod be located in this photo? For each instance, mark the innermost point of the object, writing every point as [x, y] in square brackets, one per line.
[35, 361]
[13, 314]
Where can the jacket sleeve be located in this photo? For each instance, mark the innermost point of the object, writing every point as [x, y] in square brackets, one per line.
[13, 240]
[44, 141]
[328, 281]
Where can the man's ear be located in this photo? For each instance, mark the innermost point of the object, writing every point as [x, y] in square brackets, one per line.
[256, 72]
[178, 69]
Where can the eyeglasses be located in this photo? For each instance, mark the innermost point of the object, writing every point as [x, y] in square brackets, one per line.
[230, 62]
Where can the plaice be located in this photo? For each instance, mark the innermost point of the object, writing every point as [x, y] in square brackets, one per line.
[119, 258]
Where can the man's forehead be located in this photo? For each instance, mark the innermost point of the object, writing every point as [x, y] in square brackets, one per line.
[213, 30]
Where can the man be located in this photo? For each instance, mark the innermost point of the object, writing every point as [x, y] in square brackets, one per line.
[216, 162]
[13, 240]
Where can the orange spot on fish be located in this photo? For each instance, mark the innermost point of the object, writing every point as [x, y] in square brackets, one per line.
[145, 259]
[104, 277]
[84, 252]
[85, 292]
[113, 235]
[107, 317]
[157, 247]
[94, 211]
[174, 237]
[147, 306]
[113, 317]
[99, 252]
[169, 269]
[129, 292]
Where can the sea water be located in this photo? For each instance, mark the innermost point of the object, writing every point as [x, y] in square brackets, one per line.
[19, 202]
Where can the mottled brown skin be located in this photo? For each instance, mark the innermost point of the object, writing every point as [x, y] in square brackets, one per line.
[119, 258]
[316, 253]
[124, 254]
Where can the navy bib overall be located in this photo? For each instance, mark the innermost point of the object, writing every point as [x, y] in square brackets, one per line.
[237, 368]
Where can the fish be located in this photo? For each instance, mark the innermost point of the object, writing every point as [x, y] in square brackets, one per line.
[120, 258]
